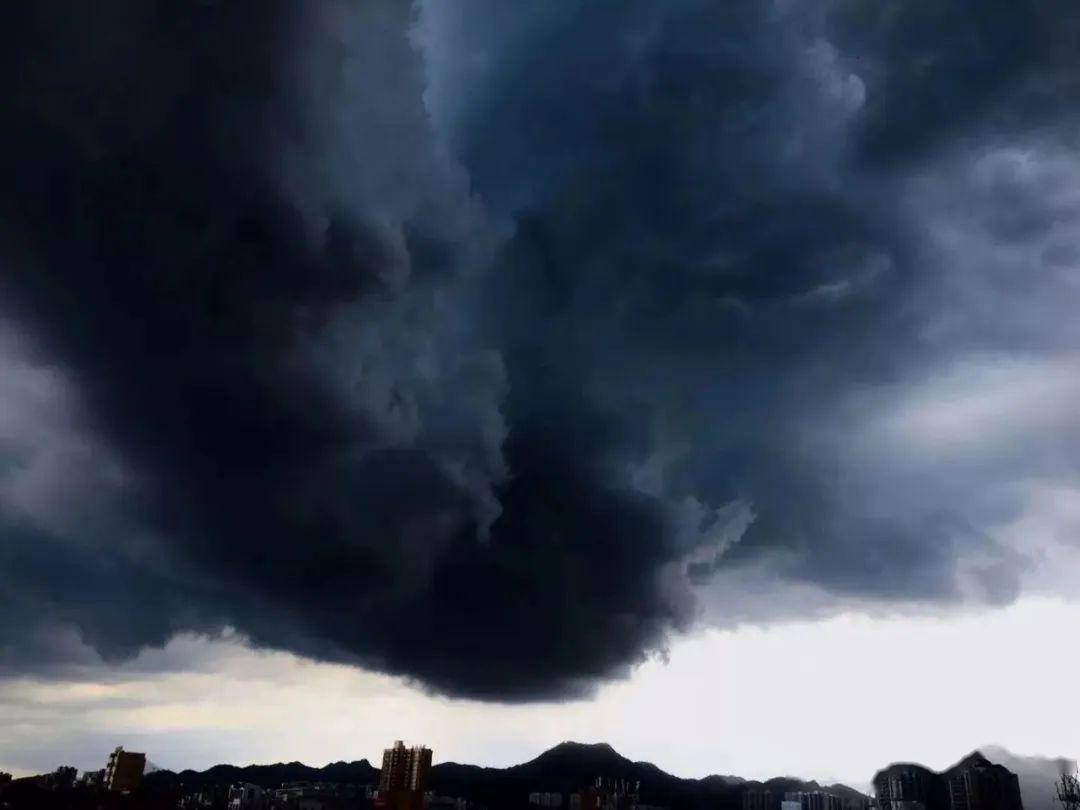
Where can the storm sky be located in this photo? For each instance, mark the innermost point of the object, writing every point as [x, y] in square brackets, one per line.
[499, 348]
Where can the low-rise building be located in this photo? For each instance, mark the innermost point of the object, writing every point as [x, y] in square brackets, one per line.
[446, 803]
[554, 800]
[815, 800]
[204, 798]
[248, 797]
[63, 778]
[93, 779]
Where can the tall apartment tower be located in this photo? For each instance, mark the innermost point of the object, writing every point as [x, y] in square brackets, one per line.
[975, 783]
[907, 786]
[404, 776]
[759, 800]
[124, 772]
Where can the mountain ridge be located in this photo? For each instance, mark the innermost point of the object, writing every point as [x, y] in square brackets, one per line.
[566, 767]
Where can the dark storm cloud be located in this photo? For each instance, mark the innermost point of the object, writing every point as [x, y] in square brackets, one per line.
[479, 406]
[236, 237]
[937, 71]
[725, 218]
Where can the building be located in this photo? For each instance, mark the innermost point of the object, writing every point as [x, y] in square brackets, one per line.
[975, 783]
[759, 800]
[63, 778]
[907, 786]
[554, 800]
[247, 797]
[93, 779]
[813, 800]
[446, 803]
[325, 801]
[404, 776]
[608, 794]
[404, 768]
[319, 796]
[124, 772]
[204, 798]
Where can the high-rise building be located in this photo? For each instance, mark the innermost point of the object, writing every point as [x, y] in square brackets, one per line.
[759, 800]
[124, 772]
[906, 786]
[404, 776]
[405, 768]
[975, 783]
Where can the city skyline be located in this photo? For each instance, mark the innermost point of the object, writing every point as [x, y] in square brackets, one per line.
[572, 775]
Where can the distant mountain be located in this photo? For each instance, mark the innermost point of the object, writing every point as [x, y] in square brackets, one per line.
[357, 773]
[1037, 775]
[566, 768]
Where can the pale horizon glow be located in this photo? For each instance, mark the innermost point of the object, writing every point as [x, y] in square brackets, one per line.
[830, 700]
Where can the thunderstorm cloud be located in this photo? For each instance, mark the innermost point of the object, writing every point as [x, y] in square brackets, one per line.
[490, 344]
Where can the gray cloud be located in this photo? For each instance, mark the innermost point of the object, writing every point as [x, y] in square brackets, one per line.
[484, 347]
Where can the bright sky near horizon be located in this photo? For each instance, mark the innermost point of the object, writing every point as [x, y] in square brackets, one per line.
[829, 700]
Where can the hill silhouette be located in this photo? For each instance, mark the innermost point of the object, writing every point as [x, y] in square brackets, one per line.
[360, 772]
[568, 767]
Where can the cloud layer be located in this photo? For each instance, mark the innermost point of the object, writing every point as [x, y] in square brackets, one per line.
[490, 344]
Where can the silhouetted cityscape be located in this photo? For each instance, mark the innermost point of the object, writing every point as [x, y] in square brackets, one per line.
[570, 776]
